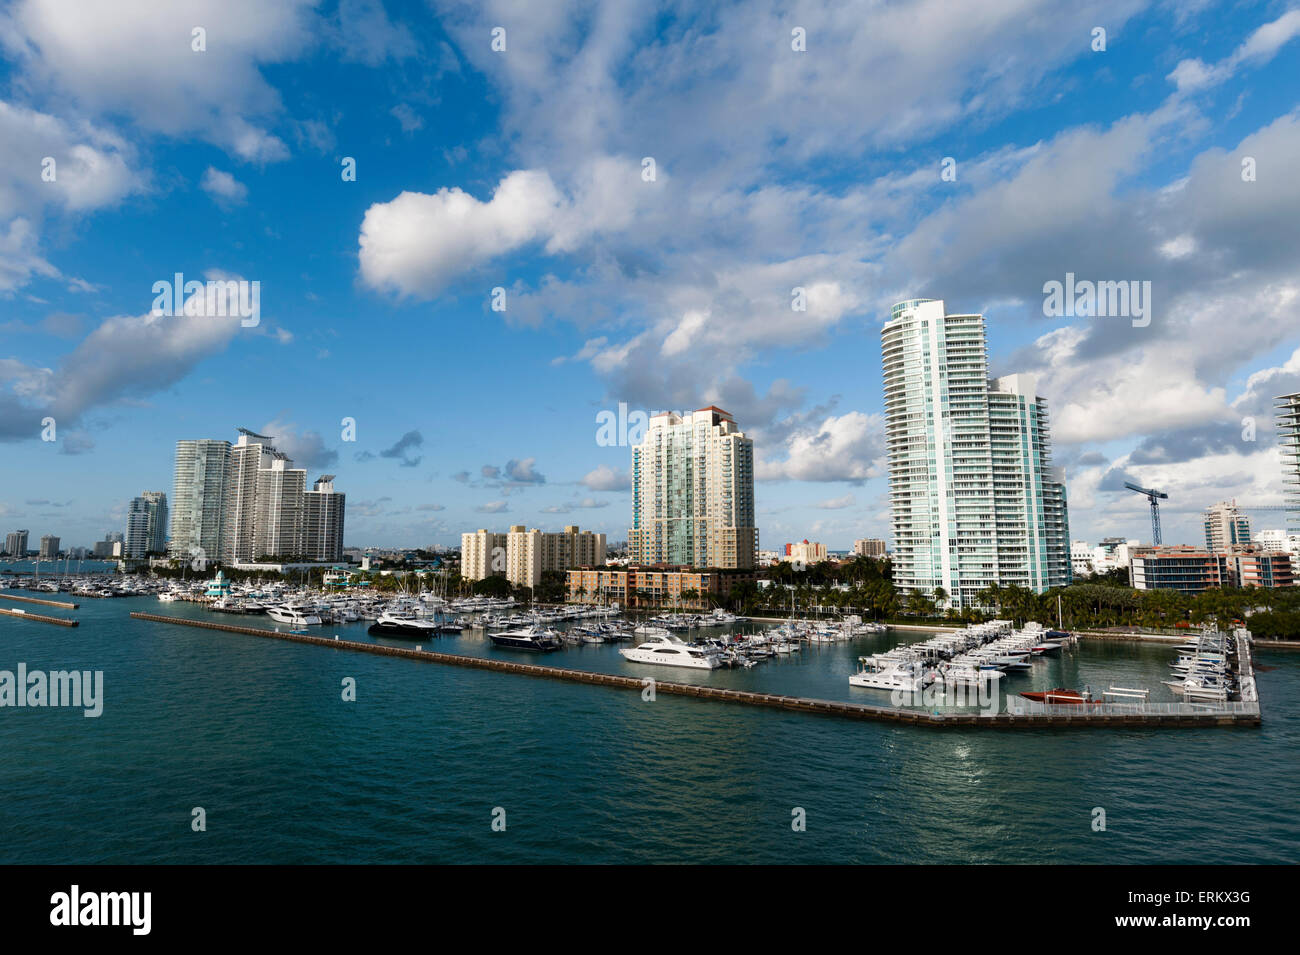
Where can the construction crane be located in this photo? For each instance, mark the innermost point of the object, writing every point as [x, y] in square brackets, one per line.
[1154, 497]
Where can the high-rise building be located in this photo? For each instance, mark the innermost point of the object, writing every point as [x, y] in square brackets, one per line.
[1225, 526]
[249, 455]
[49, 547]
[1288, 431]
[482, 555]
[198, 498]
[870, 547]
[323, 520]
[693, 493]
[146, 524]
[522, 555]
[974, 496]
[16, 543]
[278, 525]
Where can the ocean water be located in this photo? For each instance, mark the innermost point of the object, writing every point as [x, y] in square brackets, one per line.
[257, 734]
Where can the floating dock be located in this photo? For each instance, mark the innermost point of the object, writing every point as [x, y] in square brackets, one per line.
[1115, 715]
[38, 618]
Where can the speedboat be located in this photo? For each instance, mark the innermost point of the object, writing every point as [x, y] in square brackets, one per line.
[1060, 695]
[669, 651]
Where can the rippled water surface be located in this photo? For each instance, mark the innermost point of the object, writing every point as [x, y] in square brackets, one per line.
[256, 733]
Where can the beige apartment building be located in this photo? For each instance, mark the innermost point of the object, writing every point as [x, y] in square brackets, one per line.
[522, 555]
[869, 547]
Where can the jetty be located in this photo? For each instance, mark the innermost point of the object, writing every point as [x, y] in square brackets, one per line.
[1185, 715]
[38, 618]
[5, 595]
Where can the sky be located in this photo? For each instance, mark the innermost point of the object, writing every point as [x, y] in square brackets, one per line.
[645, 184]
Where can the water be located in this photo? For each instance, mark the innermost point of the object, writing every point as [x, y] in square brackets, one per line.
[255, 732]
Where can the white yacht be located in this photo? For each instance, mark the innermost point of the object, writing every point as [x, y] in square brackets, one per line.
[667, 650]
[892, 671]
[288, 613]
[402, 623]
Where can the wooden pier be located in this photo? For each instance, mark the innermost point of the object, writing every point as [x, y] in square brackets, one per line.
[5, 595]
[1115, 715]
[38, 618]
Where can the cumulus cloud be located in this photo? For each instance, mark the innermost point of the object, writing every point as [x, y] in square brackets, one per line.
[848, 447]
[92, 52]
[605, 478]
[223, 187]
[306, 447]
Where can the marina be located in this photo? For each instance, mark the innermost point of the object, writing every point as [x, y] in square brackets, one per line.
[399, 775]
[1114, 715]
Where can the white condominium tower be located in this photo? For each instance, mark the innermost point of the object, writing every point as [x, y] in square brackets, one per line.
[245, 502]
[693, 493]
[974, 497]
[248, 456]
[198, 498]
[146, 524]
[1288, 435]
[1225, 527]
[323, 520]
[278, 529]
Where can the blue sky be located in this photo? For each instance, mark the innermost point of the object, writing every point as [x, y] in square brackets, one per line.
[522, 169]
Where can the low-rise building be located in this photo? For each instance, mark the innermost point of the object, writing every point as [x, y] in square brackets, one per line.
[803, 552]
[1192, 570]
[654, 586]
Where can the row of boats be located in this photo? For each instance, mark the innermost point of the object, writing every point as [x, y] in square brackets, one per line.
[974, 658]
[1203, 669]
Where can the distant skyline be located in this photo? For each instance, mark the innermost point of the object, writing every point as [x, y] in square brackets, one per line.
[973, 153]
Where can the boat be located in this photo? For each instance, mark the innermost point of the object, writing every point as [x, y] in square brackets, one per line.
[669, 651]
[1060, 695]
[287, 613]
[399, 623]
[892, 671]
[533, 638]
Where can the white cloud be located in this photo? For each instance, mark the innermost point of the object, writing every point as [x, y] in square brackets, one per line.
[1260, 47]
[223, 186]
[418, 243]
[605, 478]
[847, 447]
[135, 58]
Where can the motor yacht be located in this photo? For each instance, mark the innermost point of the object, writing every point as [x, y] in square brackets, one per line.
[666, 650]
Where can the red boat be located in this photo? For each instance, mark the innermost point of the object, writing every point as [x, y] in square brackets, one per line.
[1059, 695]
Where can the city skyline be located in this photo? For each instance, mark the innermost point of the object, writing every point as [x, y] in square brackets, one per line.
[654, 286]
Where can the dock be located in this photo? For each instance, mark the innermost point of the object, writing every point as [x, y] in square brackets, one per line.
[1124, 715]
[5, 595]
[38, 618]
